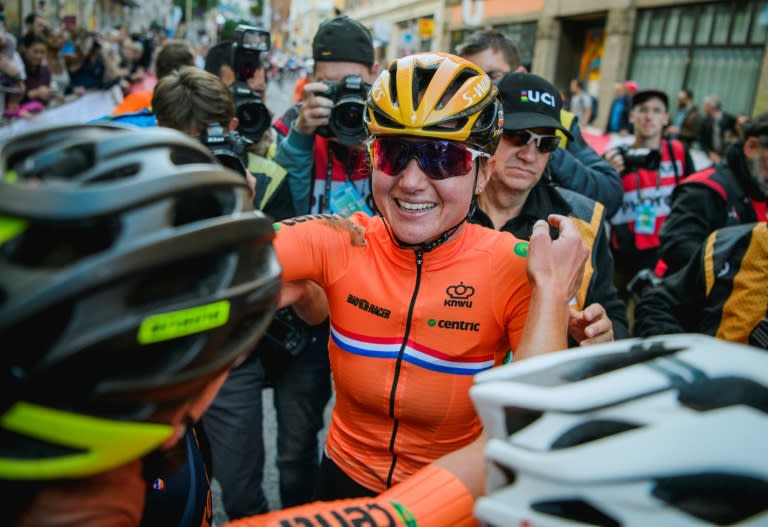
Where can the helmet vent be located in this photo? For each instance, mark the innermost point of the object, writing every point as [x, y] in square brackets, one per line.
[510, 476]
[199, 205]
[591, 431]
[114, 175]
[575, 510]
[386, 122]
[721, 499]
[422, 76]
[518, 418]
[393, 83]
[455, 124]
[188, 156]
[58, 244]
[705, 394]
[580, 370]
[456, 84]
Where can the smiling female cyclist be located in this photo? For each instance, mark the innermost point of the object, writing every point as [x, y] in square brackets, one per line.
[419, 299]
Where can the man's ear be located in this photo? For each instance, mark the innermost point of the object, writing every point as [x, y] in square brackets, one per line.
[751, 147]
[233, 124]
[375, 70]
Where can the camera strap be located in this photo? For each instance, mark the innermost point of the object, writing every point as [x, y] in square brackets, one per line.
[671, 154]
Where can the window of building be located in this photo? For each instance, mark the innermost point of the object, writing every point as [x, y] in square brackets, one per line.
[713, 48]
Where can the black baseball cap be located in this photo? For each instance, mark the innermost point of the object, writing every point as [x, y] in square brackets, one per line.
[342, 39]
[643, 95]
[530, 102]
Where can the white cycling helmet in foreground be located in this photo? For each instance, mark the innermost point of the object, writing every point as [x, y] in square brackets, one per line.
[668, 431]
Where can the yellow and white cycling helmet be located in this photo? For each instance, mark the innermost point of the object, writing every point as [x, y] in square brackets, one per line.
[436, 95]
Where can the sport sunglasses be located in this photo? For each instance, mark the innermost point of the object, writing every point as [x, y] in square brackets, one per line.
[438, 159]
[544, 143]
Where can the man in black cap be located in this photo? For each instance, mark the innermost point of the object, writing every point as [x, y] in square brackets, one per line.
[520, 192]
[650, 169]
[337, 180]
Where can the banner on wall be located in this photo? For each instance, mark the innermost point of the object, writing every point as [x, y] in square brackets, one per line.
[426, 27]
[592, 57]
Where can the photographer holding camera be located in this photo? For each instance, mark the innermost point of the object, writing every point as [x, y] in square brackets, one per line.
[239, 63]
[328, 124]
[650, 169]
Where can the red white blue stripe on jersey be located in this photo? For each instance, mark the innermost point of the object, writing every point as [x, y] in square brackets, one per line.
[388, 348]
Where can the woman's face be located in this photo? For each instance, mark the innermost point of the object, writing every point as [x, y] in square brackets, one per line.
[35, 54]
[420, 209]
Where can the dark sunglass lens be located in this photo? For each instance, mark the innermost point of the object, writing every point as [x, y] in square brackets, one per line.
[517, 138]
[441, 160]
[390, 155]
[548, 144]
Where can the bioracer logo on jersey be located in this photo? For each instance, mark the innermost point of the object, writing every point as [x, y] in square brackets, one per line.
[459, 295]
[363, 304]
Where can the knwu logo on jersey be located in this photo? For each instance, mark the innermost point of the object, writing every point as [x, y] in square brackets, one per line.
[538, 96]
[459, 295]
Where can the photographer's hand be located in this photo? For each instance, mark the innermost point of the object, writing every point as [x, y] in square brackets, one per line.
[315, 109]
[615, 159]
[590, 326]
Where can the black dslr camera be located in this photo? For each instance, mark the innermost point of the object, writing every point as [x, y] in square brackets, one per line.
[637, 158]
[346, 121]
[251, 112]
[230, 148]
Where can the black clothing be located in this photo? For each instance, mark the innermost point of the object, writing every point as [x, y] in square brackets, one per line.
[722, 291]
[576, 166]
[708, 200]
[597, 285]
[707, 138]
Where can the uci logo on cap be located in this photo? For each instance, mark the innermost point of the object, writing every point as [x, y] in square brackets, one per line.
[537, 96]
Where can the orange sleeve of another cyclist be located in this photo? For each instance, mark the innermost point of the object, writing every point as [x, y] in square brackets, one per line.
[432, 497]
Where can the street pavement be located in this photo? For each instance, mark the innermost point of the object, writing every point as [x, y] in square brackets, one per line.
[278, 100]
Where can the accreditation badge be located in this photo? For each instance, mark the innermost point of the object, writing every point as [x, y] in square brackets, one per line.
[645, 222]
[346, 200]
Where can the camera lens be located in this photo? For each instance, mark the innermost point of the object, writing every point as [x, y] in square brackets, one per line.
[254, 119]
[347, 121]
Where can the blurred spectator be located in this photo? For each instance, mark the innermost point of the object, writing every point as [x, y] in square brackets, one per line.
[91, 68]
[730, 193]
[618, 116]
[580, 102]
[172, 55]
[130, 67]
[57, 44]
[687, 121]
[38, 83]
[718, 129]
[11, 72]
[35, 22]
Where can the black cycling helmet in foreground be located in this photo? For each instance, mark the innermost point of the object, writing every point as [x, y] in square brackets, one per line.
[133, 271]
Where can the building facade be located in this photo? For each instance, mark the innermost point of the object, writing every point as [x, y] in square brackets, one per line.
[709, 46]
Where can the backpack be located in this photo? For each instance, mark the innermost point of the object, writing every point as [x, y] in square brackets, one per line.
[595, 108]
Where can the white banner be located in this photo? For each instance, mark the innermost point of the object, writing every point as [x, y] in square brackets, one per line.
[83, 109]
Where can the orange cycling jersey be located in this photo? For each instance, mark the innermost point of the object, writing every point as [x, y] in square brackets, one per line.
[408, 332]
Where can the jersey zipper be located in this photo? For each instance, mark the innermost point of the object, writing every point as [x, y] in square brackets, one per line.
[398, 365]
